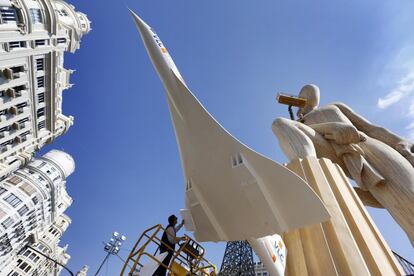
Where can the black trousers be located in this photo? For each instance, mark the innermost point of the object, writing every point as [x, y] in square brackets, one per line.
[161, 270]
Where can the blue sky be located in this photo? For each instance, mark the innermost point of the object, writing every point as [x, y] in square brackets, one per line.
[235, 56]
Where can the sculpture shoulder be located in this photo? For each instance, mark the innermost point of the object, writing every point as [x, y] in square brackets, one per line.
[342, 107]
[327, 113]
[332, 107]
[359, 121]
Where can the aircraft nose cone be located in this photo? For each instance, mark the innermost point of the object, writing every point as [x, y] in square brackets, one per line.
[142, 26]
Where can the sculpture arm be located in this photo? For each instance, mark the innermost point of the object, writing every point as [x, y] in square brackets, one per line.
[298, 140]
[339, 133]
[367, 198]
[404, 147]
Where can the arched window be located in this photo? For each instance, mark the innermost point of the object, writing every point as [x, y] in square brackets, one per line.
[36, 16]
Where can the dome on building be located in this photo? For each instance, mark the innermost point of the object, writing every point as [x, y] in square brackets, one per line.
[63, 160]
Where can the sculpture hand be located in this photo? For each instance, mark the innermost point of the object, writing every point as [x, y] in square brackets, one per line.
[362, 136]
[344, 134]
[406, 149]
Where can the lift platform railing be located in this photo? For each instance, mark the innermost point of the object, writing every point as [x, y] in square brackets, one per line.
[407, 266]
[188, 259]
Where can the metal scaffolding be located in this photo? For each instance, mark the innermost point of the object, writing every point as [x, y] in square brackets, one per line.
[237, 260]
[407, 266]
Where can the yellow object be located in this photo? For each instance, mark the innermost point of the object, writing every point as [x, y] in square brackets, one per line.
[291, 100]
[187, 259]
[178, 270]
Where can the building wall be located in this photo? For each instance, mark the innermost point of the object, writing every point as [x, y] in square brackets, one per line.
[34, 34]
[30, 262]
[32, 204]
[260, 270]
[83, 271]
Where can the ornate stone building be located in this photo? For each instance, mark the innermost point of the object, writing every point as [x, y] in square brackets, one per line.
[32, 202]
[34, 34]
[260, 269]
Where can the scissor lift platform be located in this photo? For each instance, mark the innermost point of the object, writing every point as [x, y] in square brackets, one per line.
[187, 260]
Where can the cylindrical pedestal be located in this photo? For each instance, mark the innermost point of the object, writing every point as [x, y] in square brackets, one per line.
[347, 244]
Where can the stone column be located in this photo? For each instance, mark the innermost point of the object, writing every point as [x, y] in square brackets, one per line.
[347, 244]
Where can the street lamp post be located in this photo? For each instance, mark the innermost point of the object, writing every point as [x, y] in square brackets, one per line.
[32, 240]
[54, 261]
[112, 247]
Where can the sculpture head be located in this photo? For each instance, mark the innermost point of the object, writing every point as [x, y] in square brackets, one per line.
[310, 92]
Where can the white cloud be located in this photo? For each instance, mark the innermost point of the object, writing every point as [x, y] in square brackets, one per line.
[410, 135]
[390, 99]
[411, 114]
[408, 77]
[410, 127]
[404, 88]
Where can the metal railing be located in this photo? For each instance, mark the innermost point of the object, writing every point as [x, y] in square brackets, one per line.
[189, 255]
[407, 266]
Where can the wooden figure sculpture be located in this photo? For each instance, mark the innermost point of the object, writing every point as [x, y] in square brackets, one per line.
[379, 161]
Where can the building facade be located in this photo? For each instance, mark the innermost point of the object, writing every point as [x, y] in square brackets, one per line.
[260, 270]
[34, 34]
[32, 204]
[83, 271]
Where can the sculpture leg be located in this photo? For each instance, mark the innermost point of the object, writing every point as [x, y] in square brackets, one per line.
[292, 140]
[394, 188]
[399, 204]
[298, 140]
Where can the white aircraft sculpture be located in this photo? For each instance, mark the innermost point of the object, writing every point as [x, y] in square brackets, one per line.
[232, 192]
